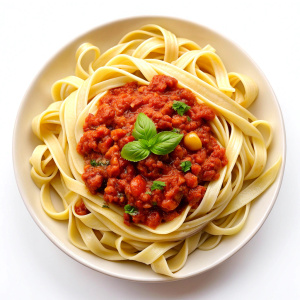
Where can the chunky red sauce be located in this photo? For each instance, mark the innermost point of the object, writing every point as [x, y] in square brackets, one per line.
[80, 208]
[123, 182]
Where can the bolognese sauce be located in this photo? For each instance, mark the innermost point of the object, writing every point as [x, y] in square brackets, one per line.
[159, 187]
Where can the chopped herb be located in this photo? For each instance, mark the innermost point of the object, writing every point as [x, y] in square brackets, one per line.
[177, 130]
[148, 193]
[188, 118]
[105, 206]
[154, 203]
[158, 185]
[186, 165]
[131, 210]
[180, 107]
[95, 163]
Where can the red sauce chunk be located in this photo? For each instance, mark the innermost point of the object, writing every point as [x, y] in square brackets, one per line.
[129, 183]
[80, 208]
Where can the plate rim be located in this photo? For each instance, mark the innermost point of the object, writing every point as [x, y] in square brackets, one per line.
[53, 238]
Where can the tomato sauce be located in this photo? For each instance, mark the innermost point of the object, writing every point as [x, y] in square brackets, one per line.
[80, 208]
[123, 182]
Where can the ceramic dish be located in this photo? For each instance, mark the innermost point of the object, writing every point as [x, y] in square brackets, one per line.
[62, 64]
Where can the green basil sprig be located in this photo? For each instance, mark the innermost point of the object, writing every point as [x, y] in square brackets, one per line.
[149, 141]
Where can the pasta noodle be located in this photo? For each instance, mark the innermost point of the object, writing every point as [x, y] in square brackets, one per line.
[139, 56]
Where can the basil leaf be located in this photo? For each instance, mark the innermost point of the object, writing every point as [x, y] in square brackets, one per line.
[134, 151]
[149, 141]
[165, 142]
[131, 210]
[180, 107]
[144, 128]
[158, 185]
[186, 165]
[144, 143]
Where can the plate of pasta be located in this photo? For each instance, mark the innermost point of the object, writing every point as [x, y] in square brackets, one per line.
[153, 149]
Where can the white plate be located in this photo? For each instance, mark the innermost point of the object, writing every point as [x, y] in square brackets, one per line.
[62, 64]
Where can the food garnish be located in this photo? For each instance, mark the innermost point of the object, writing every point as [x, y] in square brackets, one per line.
[186, 165]
[158, 185]
[180, 107]
[148, 140]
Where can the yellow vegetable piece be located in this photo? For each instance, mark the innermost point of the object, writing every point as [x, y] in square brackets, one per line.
[192, 141]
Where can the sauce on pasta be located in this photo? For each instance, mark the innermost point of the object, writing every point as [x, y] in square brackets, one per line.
[131, 183]
[186, 199]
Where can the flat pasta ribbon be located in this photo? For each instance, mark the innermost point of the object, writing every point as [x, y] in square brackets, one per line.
[140, 55]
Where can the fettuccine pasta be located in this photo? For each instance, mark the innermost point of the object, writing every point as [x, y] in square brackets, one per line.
[140, 55]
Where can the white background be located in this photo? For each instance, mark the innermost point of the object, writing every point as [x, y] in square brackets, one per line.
[33, 268]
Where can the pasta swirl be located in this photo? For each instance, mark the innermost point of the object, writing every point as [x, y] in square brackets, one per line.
[139, 56]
